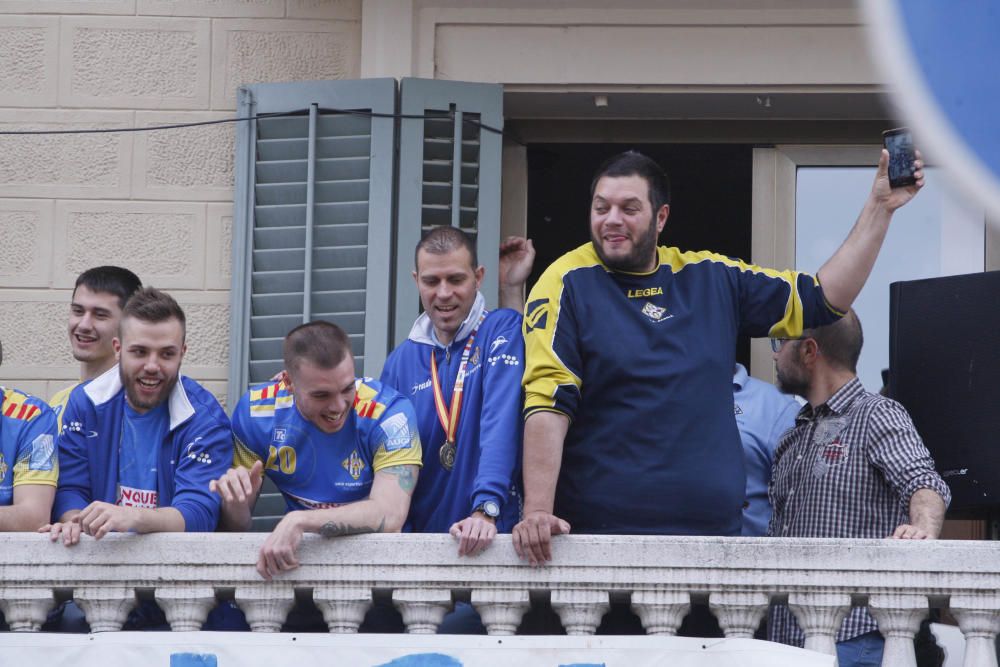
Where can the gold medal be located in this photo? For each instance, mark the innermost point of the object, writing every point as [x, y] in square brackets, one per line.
[449, 417]
[447, 455]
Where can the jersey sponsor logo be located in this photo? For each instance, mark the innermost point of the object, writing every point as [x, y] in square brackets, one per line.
[397, 433]
[655, 313]
[645, 293]
[738, 410]
[313, 504]
[537, 315]
[197, 456]
[421, 386]
[505, 359]
[280, 434]
[3, 468]
[497, 342]
[41, 452]
[354, 465]
[130, 497]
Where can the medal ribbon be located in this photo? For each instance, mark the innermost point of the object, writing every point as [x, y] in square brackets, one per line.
[449, 418]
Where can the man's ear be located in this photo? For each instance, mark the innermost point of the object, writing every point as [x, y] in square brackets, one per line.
[480, 272]
[661, 218]
[116, 345]
[286, 378]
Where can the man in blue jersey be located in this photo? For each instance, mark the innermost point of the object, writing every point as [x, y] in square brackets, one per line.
[461, 366]
[344, 452]
[630, 348]
[29, 466]
[95, 309]
[141, 442]
[763, 414]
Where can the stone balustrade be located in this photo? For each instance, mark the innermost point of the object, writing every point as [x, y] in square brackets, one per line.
[819, 579]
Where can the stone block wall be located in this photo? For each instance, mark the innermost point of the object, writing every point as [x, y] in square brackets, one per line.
[159, 202]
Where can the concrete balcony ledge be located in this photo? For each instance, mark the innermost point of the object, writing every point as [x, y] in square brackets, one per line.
[819, 578]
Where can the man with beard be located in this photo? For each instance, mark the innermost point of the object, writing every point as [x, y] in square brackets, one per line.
[853, 466]
[95, 309]
[140, 442]
[629, 425]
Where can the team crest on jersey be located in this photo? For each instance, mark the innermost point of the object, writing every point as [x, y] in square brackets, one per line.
[655, 313]
[474, 359]
[3, 468]
[354, 465]
[537, 315]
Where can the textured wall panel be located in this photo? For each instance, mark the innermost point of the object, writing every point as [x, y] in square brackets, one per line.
[29, 60]
[265, 51]
[222, 8]
[219, 246]
[164, 243]
[208, 334]
[344, 10]
[190, 163]
[67, 6]
[141, 63]
[26, 249]
[78, 165]
[35, 345]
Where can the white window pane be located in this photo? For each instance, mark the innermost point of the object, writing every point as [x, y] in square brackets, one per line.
[936, 234]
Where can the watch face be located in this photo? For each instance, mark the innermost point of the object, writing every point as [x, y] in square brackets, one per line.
[491, 509]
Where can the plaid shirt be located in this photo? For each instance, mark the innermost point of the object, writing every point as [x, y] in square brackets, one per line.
[847, 469]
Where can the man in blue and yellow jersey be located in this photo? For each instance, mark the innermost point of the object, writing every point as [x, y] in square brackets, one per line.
[629, 424]
[343, 452]
[95, 310]
[29, 466]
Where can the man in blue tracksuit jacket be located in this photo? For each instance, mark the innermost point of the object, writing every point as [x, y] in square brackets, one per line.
[140, 443]
[468, 482]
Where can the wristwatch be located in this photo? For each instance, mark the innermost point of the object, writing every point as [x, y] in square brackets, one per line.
[489, 508]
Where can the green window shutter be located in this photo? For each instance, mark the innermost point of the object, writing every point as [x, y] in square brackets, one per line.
[312, 213]
[449, 174]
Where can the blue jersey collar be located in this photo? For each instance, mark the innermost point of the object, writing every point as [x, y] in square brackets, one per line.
[106, 386]
[423, 330]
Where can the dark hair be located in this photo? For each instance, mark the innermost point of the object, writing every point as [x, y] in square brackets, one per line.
[444, 239]
[841, 341]
[634, 163]
[111, 279]
[151, 305]
[322, 344]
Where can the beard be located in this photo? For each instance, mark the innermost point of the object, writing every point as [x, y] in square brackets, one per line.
[792, 381]
[638, 259]
[137, 400]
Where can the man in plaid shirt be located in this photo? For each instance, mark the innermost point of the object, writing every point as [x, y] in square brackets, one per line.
[853, 466]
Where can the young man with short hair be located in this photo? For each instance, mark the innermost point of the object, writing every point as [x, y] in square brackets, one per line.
[344, 452]
[141, 442]
[95, 310]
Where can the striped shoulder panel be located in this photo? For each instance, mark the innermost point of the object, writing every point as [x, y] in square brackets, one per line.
[678, 260]
[365, 403]
[268, 398]
[19, 406]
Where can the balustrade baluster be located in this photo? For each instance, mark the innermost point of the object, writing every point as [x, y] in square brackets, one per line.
[106, 607]
[739, 612]
[343, 607]
[820, 614]
[580, 610]
[265, 605]
[186, 607]
[898, 615]
[978, 617]
[422, 608]
[25, 608]
[501, 610]
[661, 611]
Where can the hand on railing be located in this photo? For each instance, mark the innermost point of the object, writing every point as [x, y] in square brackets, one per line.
[533, 536]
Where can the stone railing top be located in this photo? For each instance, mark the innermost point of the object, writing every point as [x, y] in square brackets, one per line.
[611, 562]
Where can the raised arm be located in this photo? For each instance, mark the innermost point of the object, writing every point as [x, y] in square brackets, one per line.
[517, 256]
[384, 511]
[845, 273]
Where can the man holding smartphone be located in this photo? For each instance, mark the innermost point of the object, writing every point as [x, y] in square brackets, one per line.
[630, 349]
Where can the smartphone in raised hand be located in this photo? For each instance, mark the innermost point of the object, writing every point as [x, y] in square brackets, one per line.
[899, 143]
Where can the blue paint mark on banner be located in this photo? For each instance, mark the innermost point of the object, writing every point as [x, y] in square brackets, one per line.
[422, 660]
[193, 660]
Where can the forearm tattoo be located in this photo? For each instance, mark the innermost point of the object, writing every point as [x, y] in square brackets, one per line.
[334, 529]
[405, 475]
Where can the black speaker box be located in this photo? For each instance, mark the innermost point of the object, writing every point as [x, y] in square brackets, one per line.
[944, 367]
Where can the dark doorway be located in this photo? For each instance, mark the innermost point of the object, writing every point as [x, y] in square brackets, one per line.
[709, 208]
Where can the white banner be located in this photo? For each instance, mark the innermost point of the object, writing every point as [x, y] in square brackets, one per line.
[244, 649]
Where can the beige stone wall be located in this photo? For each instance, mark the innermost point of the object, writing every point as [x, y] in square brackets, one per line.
[159, 203]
